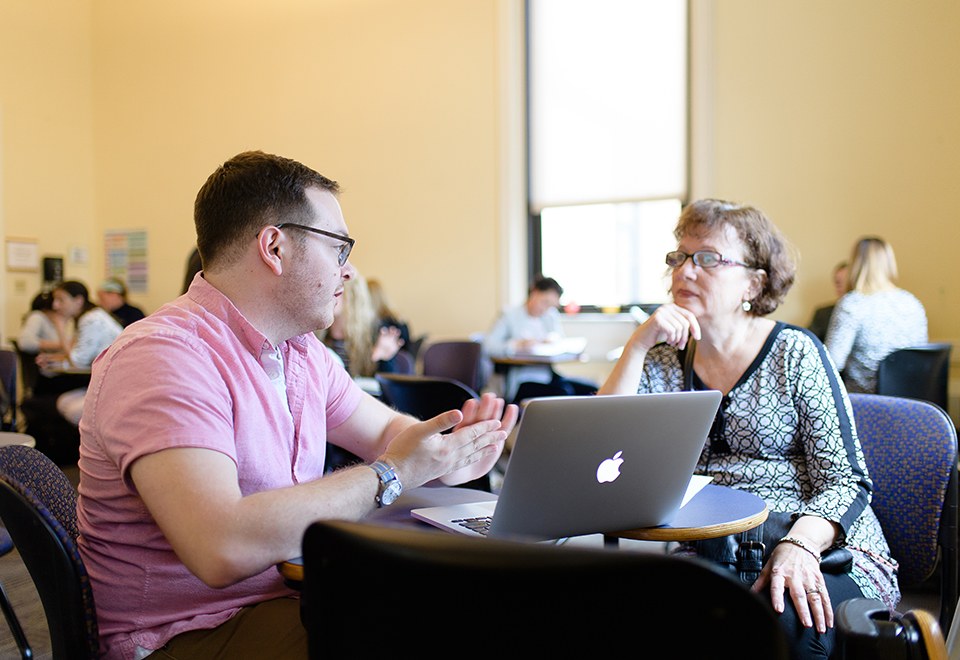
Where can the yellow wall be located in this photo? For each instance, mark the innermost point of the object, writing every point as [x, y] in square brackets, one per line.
[841, 119]
[396, 99]
[47, 187]
[838, 119]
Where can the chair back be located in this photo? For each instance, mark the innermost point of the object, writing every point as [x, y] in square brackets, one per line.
[918, 372]
[8, 380]
[447, 590]
[459, 360]
[910, 448]
[404, 363]
[38, 505]
[29, 370]
[421, 396]
[414, 345]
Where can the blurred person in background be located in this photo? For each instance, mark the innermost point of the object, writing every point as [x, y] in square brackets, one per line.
[112, 296]
[875, 318]
[821, 317]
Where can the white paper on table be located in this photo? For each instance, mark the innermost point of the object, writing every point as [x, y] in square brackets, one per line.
[697, 482]
[574, 345]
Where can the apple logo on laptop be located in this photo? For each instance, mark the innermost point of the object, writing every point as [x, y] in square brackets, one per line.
[609, 468]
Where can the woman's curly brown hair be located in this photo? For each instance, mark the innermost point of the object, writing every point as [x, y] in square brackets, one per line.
[766, 248]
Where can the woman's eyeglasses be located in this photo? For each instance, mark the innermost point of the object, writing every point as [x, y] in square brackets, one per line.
[703, 258]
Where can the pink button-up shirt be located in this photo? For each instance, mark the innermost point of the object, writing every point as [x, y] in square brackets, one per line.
[190, 375]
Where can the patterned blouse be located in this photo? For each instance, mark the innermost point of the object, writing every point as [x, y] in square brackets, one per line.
[785, 432]
[865, 329]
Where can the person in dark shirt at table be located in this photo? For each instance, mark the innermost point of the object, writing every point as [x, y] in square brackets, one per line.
[112, 296]
[204, 433]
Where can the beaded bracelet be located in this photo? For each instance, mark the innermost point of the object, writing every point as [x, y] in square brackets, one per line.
[800, 544]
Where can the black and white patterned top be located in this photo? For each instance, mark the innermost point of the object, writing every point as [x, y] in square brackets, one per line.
[865, 329]
[785, 432]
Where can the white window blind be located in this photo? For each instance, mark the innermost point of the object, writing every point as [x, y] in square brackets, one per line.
[607, 101]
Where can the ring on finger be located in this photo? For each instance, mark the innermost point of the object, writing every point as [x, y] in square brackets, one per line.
[815, 590]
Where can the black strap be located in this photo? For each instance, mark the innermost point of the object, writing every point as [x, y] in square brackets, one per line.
[750, 554]
[687, 367]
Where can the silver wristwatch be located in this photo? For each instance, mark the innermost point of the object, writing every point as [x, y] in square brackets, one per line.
[390, 487]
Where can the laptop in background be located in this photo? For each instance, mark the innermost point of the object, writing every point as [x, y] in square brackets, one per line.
[592, 464]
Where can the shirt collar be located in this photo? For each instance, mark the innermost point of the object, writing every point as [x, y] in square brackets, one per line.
[220, 306]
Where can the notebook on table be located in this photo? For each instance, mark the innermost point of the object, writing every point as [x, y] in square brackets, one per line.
[592, 464]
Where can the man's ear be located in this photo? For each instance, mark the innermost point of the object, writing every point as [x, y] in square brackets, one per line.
[273, 248]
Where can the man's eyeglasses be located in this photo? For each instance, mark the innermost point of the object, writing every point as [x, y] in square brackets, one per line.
[345, 249]
[703, 258]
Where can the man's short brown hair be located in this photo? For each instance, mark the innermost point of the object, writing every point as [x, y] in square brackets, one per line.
[245, 194]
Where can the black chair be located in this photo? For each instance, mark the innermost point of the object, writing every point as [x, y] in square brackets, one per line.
[910, 448]
[449, 592]
[458, 360]
[29, 371]
[404, 363]
[866, 631]
[421, 396]
[424, 397]
[8, 380]
[39, 508]
[532, 390]
[918, 372]
[413, 348]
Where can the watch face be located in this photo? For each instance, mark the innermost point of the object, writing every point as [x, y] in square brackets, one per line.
[390, 494]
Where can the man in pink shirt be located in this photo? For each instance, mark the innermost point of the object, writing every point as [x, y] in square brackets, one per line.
[205, 426]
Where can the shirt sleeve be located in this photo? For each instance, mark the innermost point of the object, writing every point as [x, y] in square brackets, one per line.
[842, 332]
[95, 331]
[29, 338]
[838, 481]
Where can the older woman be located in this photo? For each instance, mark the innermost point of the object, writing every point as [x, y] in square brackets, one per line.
[875, 318]
[784, 430]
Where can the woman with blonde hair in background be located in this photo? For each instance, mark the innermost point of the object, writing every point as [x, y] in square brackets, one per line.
[355, 336]
[874, 318]
[386, 316]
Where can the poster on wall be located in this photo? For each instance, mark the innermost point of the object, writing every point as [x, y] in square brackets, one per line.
[126, 257]
[22, 255]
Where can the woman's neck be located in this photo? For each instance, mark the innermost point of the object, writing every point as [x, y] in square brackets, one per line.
[724, 353]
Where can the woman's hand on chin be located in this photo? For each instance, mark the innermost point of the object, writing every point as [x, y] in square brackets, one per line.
[670, 323]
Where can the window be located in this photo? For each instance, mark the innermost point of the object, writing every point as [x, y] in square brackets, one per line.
[608, 143]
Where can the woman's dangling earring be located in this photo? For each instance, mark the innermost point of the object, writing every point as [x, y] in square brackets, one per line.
[746, 305]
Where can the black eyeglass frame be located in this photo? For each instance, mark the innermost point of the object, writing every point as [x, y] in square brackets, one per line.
[345, 249]
[696, 256]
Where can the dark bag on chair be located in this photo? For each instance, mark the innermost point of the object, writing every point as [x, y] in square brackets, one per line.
[748, 551]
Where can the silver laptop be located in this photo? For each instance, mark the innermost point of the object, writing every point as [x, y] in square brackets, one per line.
[589, 464]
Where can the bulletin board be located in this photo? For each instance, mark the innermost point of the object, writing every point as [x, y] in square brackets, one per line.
[127, 257]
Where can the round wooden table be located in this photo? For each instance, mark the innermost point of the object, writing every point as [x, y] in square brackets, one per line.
[713, 512]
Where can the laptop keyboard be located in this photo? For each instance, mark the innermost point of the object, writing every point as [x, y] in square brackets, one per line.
[480, 525]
